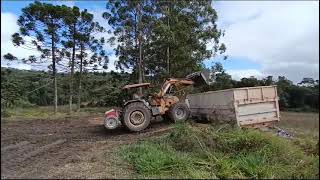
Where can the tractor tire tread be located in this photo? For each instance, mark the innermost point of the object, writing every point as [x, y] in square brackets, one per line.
[171, 113]
[130, 108]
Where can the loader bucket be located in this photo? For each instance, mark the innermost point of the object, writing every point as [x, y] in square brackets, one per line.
[200, 77]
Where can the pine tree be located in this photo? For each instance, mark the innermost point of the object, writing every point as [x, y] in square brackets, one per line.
[42, 23]
[55, 30]
[91, 49]
[79, 36]
[71, 20]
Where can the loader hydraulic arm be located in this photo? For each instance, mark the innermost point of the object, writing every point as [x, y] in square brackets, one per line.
[178, 83]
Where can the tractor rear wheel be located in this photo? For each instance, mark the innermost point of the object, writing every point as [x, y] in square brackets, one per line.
[179, 112]
[136, 116]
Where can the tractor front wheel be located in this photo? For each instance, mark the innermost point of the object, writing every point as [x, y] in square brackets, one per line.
[136, 116]
[179, 112]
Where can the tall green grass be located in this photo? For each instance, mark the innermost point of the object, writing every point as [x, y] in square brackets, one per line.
[206, 152]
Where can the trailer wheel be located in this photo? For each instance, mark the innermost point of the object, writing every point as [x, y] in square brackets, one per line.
[179, 112]
[136, 116]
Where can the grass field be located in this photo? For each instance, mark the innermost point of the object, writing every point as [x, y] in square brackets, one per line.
[46, 112]
[301, 124]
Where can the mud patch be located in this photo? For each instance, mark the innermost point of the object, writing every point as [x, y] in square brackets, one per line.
[67, 148]
[96, 121]
[13, 146]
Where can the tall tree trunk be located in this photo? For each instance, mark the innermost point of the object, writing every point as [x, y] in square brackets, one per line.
[72, 69]
[168, 61]
[143, 69]
[54, 75]
[168, 47]
[140, 45]
[80, 78]
[136, 38]
[140, 63]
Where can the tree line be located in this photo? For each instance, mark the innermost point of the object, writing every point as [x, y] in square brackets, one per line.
[291, 96]
[152, 39]
[19, 88]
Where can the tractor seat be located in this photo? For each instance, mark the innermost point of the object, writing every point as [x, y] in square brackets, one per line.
[136, 96]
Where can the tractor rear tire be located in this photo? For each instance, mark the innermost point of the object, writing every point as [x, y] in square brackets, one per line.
[179, 112]
[136, 117]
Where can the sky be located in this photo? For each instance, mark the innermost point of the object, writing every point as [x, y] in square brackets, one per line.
[277, 38]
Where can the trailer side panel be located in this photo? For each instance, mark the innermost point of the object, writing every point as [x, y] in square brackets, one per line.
[245, 106]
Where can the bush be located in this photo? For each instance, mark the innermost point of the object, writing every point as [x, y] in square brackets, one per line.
[24, 103]
[4, 112]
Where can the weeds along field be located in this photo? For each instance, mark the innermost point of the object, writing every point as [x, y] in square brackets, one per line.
[213, 151]
[301, 124]
[46, 112]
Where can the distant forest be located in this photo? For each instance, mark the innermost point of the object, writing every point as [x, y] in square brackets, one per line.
[23, 88]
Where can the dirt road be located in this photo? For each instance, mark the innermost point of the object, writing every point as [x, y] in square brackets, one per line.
[66, 148]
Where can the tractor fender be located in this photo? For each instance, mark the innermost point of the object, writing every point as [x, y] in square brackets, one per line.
[138, 100]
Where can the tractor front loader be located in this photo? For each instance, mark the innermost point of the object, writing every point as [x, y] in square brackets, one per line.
[137, 112]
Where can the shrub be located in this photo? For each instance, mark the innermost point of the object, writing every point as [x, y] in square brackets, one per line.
[24, 103]
[4, 112]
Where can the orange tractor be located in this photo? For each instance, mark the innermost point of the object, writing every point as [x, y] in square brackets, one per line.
[136, 113]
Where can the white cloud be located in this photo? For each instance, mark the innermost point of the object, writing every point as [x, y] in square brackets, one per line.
[8, 24]
[15, 64]
[238, 74]
[64, 2]
[97, 14]
[8, 27]
[281, 36]
[112, 63]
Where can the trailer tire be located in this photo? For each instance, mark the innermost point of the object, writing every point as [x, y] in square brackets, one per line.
[179, 112]
[136, 117]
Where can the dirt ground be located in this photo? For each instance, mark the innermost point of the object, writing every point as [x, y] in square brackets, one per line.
[83, 148]
[67, 148]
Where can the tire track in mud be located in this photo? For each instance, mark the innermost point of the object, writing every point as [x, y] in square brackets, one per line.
[13, 146]
[52, 144]
[42, 149]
